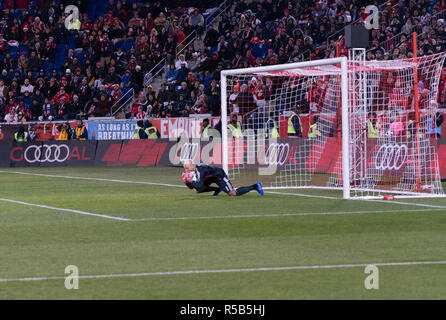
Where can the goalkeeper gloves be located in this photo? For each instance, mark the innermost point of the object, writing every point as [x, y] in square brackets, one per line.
[189, 177]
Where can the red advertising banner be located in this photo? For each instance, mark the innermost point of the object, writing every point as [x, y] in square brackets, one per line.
[163, 152]
[54, 153]
[174, 127]
[38, 131]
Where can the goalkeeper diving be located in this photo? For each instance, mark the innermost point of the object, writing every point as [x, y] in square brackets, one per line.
[201, 176]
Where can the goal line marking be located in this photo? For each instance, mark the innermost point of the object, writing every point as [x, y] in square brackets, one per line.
[247, 216]
[189, 272]
[65, 210]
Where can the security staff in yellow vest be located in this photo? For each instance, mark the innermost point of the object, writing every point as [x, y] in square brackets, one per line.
[80, 133]
[73, 22]
[235, 127]
[294, 124]
[151, 131]
[271, 129]
[411, 127]
[74, 25]
[21, 135]
[373, 127]
[204, 129]
[313, 131]
[139, 132]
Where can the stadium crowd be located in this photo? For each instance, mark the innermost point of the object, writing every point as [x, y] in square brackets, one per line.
[49, 71]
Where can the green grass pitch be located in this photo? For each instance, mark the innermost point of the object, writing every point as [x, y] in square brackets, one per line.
[164, 228]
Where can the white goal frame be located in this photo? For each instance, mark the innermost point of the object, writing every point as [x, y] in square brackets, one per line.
[342, 61]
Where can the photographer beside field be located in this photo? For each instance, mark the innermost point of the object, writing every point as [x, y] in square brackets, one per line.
[65, 131]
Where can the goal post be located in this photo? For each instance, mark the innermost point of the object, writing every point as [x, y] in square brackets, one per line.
[280, 126]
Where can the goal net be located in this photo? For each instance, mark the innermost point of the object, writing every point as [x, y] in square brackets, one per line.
[364, 127]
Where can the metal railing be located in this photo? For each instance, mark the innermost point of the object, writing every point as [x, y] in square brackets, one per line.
[122, 101]
[190, 38]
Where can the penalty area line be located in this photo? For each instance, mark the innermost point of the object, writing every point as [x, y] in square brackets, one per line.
[368, 200]
[189, 272]
[95, 179]
[182, 186]
[272, 215]
[65, 210]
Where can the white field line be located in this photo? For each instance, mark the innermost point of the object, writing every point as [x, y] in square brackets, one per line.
[209, 217]
[181, 186]
[303, 195]
[407, 203]
[280, 215]
[188, 272]
[369, 200]
[66, 210]
[95, 179]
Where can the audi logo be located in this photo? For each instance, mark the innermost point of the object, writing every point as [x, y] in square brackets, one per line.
[47, 153]
[391, 157]
[277, 153]
[189, 151]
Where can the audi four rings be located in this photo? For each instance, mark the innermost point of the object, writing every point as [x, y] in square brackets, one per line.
[47, 153]
[277, 153]
[391, 157]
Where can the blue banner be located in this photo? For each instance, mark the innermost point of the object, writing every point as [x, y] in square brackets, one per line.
[111, 130]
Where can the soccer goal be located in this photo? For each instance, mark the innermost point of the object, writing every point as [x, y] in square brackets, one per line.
[364, 127]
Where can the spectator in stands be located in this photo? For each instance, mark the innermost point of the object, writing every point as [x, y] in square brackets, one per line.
[102, 106]
[73, 108]
[137, 79]
[182, 73]
[26, 87]
[245, 100]
[11, 116]
[197, 21]
[128, 37]
[171, 74]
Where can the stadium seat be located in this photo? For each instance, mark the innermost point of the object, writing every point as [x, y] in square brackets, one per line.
[61, 52]
[80, 56]
[48, 67]
[13, 51]
[23, 48]
[17, 14]
[118, 45]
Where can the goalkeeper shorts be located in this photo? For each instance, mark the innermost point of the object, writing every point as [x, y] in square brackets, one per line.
[225, 184]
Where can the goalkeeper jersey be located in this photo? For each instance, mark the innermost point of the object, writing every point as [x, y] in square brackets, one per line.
[205, 175]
